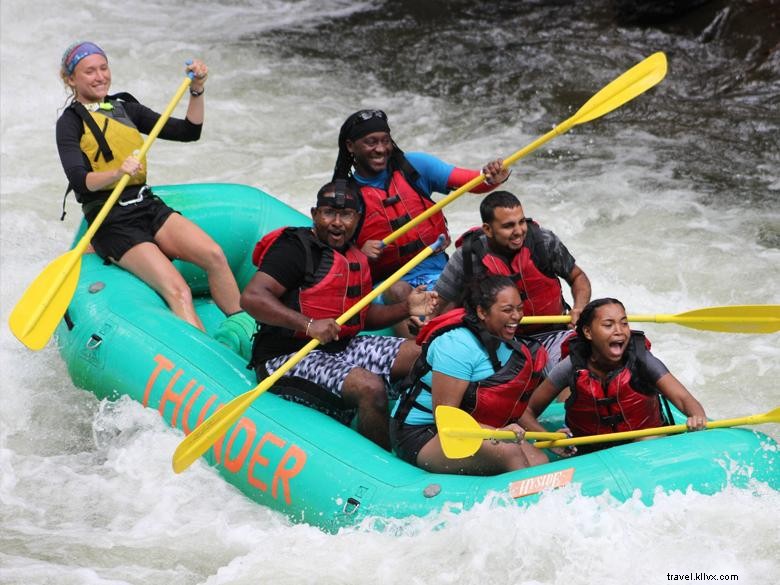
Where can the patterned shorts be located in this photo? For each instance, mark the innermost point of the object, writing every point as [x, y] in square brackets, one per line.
[373, 353]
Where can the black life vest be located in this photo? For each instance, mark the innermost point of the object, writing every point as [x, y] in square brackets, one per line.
[496, 400]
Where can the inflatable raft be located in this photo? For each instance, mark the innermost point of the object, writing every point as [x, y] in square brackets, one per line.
[119, 338]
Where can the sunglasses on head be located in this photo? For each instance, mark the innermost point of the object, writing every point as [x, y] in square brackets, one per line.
[364, 115]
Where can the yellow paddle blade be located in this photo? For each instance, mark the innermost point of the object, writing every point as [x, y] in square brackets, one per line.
[461, 436]
[630, 84]
[210, 430]
[731, 319]
[39, 311]
[455, 446]
[773, 416]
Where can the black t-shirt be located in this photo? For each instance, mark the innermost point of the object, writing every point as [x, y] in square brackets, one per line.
[285, 261]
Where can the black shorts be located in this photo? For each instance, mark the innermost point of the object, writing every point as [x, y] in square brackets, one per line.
[408, 440]
[128, 225]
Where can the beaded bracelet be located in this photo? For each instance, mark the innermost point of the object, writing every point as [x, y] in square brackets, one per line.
[307, 326]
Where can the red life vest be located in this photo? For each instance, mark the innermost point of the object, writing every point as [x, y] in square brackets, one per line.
[626, 401]
[388, 209]
[541, 292]
[496, 400]
[326, 293]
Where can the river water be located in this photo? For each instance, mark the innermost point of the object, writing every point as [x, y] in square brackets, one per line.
[671, 203]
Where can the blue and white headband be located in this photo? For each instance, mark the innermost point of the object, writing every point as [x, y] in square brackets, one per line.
[76, 52]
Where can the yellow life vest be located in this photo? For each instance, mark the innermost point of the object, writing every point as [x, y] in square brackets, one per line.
[124, 138]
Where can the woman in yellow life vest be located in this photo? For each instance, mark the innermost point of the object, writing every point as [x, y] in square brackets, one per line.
[97, 136]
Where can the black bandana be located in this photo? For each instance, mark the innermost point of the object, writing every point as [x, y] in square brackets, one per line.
[363, 123]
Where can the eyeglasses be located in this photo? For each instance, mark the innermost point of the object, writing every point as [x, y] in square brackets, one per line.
[346, 215]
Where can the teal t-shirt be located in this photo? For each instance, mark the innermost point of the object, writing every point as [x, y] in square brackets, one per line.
[456, 353]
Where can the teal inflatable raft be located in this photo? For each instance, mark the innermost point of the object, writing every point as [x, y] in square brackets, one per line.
[119, 338]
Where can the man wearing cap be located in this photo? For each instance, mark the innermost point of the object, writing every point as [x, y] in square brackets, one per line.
[307, 277]
[395, 188]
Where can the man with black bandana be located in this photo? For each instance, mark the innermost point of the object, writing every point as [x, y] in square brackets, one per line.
[307, 277]
[395, 188]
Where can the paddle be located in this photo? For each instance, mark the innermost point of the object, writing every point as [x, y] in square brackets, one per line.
[36, 315]
[731, 319]
[773, 416]
[461, 436]
[455, 427]
[630, 84]
[210, 430]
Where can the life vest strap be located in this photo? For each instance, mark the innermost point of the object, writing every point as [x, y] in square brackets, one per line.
[408, 401]
[613, 420]
[400, 221]
[100, 137]
[411, 247]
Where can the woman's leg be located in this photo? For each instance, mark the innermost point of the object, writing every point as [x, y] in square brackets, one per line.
[148, 263]
[180, 238]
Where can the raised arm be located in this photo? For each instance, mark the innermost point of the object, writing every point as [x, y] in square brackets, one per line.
[196, 107]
